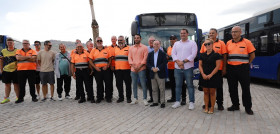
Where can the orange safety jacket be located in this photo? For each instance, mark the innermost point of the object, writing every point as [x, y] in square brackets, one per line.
[100, 57]
[238, 52]
[171, 63]
[26, 65]
[112, 53]
[219, 47]
[121, 58]
[80, 60]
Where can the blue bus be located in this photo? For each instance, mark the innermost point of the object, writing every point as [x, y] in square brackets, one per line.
[3, 44]
[263, 30]
[163, 25]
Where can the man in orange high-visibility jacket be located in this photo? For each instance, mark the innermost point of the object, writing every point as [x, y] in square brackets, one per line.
[122, 69]
[111, 49]
[100, 61]
[26, 68]
[219, 47]
[79, 62]
[241, 53]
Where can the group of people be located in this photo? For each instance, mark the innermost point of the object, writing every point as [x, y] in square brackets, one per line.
[130, 63]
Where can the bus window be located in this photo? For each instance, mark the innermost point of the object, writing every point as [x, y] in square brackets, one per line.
[262, 19]
[263, 43]
[276, 38]
[221, 35]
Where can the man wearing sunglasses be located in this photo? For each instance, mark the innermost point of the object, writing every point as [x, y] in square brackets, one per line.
[100, 61]
[46, 59]
[219, 47]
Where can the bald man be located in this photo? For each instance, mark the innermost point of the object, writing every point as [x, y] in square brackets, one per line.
[241, 53]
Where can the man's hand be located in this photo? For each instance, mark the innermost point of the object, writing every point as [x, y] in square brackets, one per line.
[105, 67]
[74, 76]
[97, 69]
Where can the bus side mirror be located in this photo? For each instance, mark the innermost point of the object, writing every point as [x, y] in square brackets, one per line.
[134, 28]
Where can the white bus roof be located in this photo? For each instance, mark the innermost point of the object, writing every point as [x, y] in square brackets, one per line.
[267, 10]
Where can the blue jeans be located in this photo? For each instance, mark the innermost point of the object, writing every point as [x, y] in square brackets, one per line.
[142, 76]
[179, 74]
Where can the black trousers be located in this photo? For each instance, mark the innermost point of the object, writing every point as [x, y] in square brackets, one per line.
[241, 74]
[219, 91]
[100, 77]
[91, 82]
[123, 76]
[23, 76]
[67, 83]
[149, 84]
[82, 77]
[173, 86]
[112, 72]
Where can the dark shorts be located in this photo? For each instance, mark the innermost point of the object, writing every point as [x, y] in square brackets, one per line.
[47, 77]
[37, 77]
[9, 77]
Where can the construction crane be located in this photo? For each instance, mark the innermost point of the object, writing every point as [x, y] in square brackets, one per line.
[94, 24]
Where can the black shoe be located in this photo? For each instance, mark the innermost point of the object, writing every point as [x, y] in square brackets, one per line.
[34, 99]
[249, 111]
[233, 108]
[154, 104]
[92, 100]
[183, 102]
[109, 100]
[120, 100]
[171, 100]
[128, 101]
[162, 105]
[221, 107]
[151, 100]
[77, 98]
[98, 100]
[82, 101]
[19, 101]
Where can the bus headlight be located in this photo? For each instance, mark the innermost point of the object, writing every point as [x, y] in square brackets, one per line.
[196, 71]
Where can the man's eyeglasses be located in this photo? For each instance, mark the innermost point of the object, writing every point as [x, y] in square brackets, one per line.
[172, 39]
[207, 44]
[25, 43]
[120, 40]
[99, 41]
[152, 40]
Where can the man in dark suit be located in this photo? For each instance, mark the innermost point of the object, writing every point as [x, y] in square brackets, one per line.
[156, 65]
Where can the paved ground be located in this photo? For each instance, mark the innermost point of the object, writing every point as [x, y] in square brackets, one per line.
[68, 116]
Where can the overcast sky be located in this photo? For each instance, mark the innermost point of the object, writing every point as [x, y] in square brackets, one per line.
[68, 20]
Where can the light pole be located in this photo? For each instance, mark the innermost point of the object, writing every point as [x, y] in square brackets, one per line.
[94, 24]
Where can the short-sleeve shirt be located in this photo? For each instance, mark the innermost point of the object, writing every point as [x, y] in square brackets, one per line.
[219, 47]
[9, 60]
[26, 65]
[80, 60]
[238, 52]
[209, 61]
[100, 57]
[63, 64]
[47, 60]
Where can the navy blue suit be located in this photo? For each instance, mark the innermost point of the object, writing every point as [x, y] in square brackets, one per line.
[161, 64]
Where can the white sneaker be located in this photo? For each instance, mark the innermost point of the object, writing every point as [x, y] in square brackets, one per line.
[48, 96]
[38, 97]
[145, 102]
[134, 101]
[68, 97]
[191, 106]
[176, 104]
[59, 98]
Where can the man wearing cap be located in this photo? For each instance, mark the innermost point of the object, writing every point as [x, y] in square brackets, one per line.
[171, 67]
[46, 59]
[80, 63]
[8, 68]
[26, 68]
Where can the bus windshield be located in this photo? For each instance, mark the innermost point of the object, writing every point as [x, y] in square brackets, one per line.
[163, 34]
